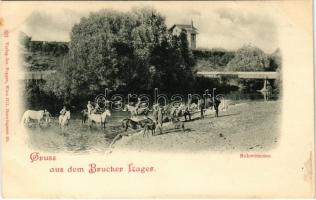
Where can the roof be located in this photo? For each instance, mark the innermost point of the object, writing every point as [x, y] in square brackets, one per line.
[186, 27]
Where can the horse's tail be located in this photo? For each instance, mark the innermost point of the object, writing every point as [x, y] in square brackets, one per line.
[60, 119]
[124, 123]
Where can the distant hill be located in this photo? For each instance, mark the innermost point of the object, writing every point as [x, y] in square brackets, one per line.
[212, 59]
[246, 58]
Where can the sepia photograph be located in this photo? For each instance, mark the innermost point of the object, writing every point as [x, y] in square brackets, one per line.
[146, 79]
[157, 99]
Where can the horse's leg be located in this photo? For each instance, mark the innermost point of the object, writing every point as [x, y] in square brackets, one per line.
[154, 130]
[128, 124]
[103, 124]
[123, 124]
[126, 127]
[147, 132]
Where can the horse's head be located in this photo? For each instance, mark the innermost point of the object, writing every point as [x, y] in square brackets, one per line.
[67, 115]
[107, 112]
[125, 108]
[129, 108]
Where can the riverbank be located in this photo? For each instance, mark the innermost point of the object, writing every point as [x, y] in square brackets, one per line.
[250, 126]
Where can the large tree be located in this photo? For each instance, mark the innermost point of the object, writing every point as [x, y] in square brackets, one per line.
[130, 51]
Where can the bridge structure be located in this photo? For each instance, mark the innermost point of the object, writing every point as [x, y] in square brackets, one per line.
[241, 75]
[266, 76]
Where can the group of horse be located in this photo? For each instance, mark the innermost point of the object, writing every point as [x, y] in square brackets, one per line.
[169, 113]
[139, 117]
[95, 117]
[42, 117]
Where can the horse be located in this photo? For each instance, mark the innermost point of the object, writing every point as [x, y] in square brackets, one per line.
[84, 116]
[34, 115]
[129, 123]
[173, 114]
[149, 125]
[135, 112]
[99, 118]
[63, 120]
[194, 106]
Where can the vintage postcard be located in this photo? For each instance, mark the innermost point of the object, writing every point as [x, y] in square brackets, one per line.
[157, 99]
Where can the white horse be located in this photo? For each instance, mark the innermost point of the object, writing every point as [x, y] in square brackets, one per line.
[32, 114]
[194, 106]
[63, 120]
[99, 118]
[134, 112]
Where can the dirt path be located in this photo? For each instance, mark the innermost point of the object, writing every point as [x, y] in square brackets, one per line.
[251, 126]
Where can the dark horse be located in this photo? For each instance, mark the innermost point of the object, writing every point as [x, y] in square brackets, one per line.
[129, 123]
[84, 116]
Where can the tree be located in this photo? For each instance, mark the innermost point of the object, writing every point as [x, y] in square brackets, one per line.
[275, 60]
[249, 58]
[130, 51]
[112, 49]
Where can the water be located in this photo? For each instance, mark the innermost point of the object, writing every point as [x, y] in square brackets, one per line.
[78, 137]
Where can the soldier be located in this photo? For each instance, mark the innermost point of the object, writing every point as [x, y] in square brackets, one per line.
[155, 112]
[216, 105]
[137, 105]
[97, 108]
[89, 107]
[187, 113]
[63, 111]
[201, 107]
[159, 119]
[47, 116]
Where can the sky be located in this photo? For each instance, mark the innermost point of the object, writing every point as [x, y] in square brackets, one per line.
[218, 26]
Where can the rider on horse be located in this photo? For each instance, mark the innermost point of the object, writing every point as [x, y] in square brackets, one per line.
[89, 107]
[63, 111]
[137, 105]
[97, 109]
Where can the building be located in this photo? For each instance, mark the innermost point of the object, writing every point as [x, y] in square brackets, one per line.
[190, 30]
